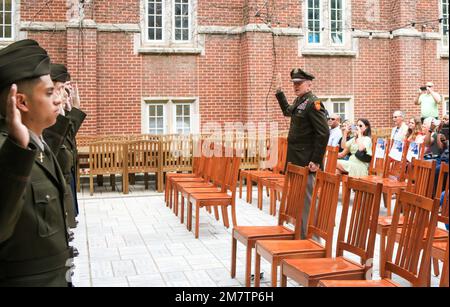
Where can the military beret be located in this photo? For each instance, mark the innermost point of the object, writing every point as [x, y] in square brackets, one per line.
[298, 75]
[59, 73]
[22, 60]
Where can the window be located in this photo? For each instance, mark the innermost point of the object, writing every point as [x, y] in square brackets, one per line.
[156, 119]
[342, 106]
[446, 106]
[168, 21]
[6, 19]
[155, 20]
[183, 118]
[445, 23]
[182, 28]
[314, 17]
[170, 116]
[337, 22]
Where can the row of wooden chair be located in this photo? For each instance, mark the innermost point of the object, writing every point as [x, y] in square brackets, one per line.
[212, 185]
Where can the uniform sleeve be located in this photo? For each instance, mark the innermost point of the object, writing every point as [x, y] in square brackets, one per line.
[55, 135]
[282, 101]
[15, 165]
[321, 130]
[77, 118]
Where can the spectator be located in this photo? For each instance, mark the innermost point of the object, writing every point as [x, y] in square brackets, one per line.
[334, 121]
[360, 148]
[433, 146]
[401, 128]
[346, 124]
[415, 133]
[428, 100]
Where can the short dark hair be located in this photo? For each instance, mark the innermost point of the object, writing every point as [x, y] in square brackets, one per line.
[368, 131]
[25, 86]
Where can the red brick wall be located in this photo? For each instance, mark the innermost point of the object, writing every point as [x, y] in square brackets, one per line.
[235, 79]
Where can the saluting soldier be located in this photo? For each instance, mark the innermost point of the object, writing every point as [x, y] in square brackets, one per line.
[34, 248]
[308, 132]
[67, 155]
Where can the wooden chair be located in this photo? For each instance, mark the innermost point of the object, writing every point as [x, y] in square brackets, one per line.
[357, 233]
[411, 259]
[291, 209]
[330, 159]
[221, 199]
[420, 181]
[320, 226]
[440, 251]
[143, 157]
[255, 176]
[107, 158]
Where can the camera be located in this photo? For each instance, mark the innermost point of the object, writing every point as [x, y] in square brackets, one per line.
[354, 128]
[423, 88]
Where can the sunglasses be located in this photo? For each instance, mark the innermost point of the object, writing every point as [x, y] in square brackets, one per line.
[332, 119]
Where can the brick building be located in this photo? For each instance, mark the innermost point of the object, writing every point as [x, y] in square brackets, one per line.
[162, 66]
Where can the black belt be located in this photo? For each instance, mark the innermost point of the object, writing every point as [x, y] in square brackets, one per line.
[34, 267]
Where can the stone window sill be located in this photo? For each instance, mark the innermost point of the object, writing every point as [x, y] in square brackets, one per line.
[169, 50]
[328, 52]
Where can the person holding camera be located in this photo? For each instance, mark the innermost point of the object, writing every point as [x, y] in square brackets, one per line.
[360, 148]
[429, 101]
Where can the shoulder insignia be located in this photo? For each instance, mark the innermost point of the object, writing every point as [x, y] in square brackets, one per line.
[317, 105]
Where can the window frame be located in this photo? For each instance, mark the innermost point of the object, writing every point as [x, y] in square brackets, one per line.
[13, 21]
[163, 21]
[445, 105]
[343, 18]
[329, 101]
[444, 24]
[190, 15]
[156, 104]
[320, 43]
[175, 116]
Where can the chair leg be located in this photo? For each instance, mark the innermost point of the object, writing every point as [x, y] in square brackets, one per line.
[382, 251]
[249, 189]
[233, 257]
[175, 200]
[248, 266]
[91, 184]
[146, 176]
[233, 214]
[283, 278]
[182, 209]
[197, 220]
[260, 195]
[257, 269]
[241, 180]
[435, 266]
[226, 221]
[112, 179]
[166, 194]
[216, 213]
[274, 272]
[389, 202]
[189, 215]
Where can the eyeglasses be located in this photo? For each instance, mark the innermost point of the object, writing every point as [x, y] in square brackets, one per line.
[332, 119]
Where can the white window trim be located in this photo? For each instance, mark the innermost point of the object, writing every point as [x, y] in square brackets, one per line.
[170, 113]
[328, 103]
[174, 114]
[169, 44]
[442, 45]
[191, 13]
[15, 23]
[445, 101]
[320, 43]
[326, 47]
[344, 18]
[145, 34]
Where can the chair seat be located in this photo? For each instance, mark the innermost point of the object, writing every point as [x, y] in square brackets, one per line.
[183, 185]
[440, 245]
[209, 196]
[193, 179]
[269, 176]
[319, 268]
[179, 175]
[358, 283]
[197, 190]
[386, 221]
[254, 232]
[277, 247]
[439, 234]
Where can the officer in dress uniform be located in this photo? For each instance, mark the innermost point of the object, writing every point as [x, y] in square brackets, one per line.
[67, 156]
[34, 248]
[308, 132]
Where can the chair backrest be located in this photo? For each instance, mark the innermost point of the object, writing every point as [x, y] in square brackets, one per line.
[357, 230]
[412, 253]
[293, 196]
[322, 214]
[443, 173]
[282, 155]
[330, 159]
[443, 213]
[231, 171]
[421, 177]
[107, 157]
[143, 156]
[444, 276]
[377, 164]
[396, 169]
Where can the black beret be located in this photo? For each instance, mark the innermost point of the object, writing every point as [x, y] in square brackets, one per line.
[22, 60]
[298, 75]
[59, 73]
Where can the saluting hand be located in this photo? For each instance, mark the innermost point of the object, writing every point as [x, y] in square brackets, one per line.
[75, 97]
[17, 130]
[279, 82]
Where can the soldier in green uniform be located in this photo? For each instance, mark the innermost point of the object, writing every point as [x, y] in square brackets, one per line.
[67, 156]
[34, 248]
[308, 132]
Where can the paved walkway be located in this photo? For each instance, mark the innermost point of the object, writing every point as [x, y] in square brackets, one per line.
[136, 240]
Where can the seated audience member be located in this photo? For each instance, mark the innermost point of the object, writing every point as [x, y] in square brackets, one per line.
[334, 121]
[433, 146]
[415, 133]
[346, 124]
[401, 128]
[360, 148]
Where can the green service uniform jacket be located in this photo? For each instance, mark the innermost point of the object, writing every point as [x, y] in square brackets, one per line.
[308, 132]
[34, 248]
[66, 154]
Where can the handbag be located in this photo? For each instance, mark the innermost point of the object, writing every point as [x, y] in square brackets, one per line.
[363, 156]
